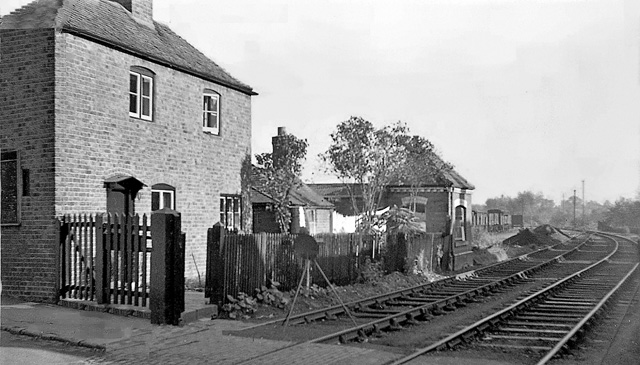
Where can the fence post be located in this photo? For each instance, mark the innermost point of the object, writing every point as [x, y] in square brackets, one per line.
[214, 289]
[167, 267]
[61, 232]
[102, 288]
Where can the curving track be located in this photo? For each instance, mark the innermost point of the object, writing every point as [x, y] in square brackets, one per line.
[394, 311]
[554, 318]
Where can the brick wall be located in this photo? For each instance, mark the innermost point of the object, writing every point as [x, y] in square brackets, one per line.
[29, 251]
[96, 138]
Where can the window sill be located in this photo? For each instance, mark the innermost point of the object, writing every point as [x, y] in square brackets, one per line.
[211, 133]
[9, 224]
[141, 119]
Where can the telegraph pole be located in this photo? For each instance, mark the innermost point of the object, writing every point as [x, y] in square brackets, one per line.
[574, 208]
[583, 221]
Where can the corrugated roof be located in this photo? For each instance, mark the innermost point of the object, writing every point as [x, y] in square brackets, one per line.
[111, 24]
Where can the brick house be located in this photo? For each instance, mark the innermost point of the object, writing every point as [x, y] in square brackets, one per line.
[106, 110]
[443, 207]
[308, 209]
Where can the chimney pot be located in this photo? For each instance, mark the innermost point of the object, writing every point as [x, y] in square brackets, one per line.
[282, 131]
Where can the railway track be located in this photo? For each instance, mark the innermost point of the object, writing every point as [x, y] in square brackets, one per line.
[447, 293]
[393, 311]
[553, 319]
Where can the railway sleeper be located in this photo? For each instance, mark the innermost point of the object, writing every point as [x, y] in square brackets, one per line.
[376, 332]
[362, 336]
[411, 320]
[425, 315]
[370, 315]
[531, 330]
[394, 325]
[450, 307]
[519, 338]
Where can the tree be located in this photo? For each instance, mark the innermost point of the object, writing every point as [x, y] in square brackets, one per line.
[421, 164]
[277, 174]
[624, 213]
[366, 160]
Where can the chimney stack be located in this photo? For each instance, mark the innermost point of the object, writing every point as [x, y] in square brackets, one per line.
[142, 10]
[277, 145]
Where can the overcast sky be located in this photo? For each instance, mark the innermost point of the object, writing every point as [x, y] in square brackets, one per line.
[518, 95]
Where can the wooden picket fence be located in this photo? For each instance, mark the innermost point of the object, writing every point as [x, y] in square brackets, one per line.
[106, 259]
[244, 262]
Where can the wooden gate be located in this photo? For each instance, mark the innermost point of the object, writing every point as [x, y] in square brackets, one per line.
[105, 259]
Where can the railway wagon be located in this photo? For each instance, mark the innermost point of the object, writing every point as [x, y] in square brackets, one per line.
[517, 220]
[498, 220]
[479, 220]
[505, 222]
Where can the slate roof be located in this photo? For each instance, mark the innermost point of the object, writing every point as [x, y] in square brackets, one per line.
[302, 196]
[449, 178]
[109, 23]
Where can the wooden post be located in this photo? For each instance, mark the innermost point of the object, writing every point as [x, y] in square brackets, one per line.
[214, 288]
[167, 267]
[101, 263]
[61, 232]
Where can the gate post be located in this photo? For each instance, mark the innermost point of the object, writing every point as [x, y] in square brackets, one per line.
[167, 267]
[214, 281]
[102, 287]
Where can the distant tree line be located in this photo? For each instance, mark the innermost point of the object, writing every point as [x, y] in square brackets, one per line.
[624, 214]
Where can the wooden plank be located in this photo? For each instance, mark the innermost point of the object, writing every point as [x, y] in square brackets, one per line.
[131, 236]
[123, 258]
[136, 260]
[116, 257]
[145, 269]
[99, 263]
[74, 258]
[81, 256]
[64, 228]
[92, 228]
[224, 253]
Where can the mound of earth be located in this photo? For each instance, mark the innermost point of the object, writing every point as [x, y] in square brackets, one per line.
[541, 235]
[549, 231]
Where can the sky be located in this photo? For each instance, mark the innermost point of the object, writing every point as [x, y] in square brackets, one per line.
[535, 95]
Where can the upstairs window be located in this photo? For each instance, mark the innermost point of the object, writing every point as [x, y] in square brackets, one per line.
[211, 112]
[141, 93]
[163, 196]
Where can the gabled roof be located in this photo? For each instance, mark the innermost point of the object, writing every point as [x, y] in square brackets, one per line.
[109, 23]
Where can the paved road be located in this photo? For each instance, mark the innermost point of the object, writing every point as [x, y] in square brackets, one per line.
[16, 349]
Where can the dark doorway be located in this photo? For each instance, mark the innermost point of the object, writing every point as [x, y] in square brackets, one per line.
[121, 194]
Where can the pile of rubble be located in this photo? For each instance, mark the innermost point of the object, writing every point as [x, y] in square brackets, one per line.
[541, 235]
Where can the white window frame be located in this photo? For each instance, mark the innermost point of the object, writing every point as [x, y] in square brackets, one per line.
[140, 96]
[161, 192]
[206, 112]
